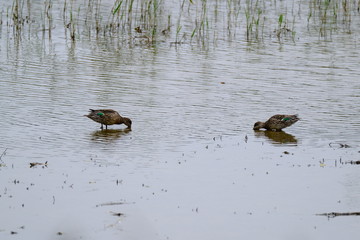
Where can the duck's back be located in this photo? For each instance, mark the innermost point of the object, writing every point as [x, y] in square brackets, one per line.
[105, 116]
[280, 121]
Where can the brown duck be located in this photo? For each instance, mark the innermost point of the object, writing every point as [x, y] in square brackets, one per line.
[277, 122]
[108, 117]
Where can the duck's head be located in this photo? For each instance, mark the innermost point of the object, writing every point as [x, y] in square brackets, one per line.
[127, 122]
[258, 125]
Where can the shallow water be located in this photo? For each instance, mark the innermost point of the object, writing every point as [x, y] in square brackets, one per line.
[192, 167]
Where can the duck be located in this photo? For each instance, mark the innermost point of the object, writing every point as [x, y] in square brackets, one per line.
[108, 117]
[277, 122]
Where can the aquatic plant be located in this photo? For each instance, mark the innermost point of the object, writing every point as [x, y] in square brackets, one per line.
[283, 29]
[16, 17]
[255, 20]
[329, 16]
[202, 23]
[47, 24]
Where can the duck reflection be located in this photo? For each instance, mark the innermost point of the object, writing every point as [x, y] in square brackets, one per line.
[276, 137]
[109, 135]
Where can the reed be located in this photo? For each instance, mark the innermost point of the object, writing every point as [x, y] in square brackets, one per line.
[71, 25]
[232, 17]
[179, 26]
[47, 18]
[201, 28]
[200, 23]
[16, 14]
[255, 20]
[328, 16]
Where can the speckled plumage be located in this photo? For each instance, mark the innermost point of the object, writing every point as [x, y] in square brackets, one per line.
[108, 117]
[277, 122]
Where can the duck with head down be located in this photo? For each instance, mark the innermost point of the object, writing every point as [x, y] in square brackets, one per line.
[108, 117]
[277, 122]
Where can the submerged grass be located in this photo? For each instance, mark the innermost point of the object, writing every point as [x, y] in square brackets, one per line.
[202, 23]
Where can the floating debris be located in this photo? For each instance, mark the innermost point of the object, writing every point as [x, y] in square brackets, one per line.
[117, 214]
[138, 29]
[34, 164]
[337, 214]
[110, 204]
[339, 145]
[195, 210]
[354, 162]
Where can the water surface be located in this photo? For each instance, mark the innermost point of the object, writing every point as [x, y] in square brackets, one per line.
[192, 167]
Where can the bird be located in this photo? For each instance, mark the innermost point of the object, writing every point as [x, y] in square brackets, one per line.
[108, 117]
[277, 122]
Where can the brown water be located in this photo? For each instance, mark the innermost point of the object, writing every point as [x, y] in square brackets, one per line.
[192, 167]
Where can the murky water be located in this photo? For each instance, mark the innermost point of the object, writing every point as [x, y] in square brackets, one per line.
[192, 167]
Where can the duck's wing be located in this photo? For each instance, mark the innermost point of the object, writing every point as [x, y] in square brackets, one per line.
[281, 121]
[96, 112]
[108, 111]
[290, 118]
[278, 118]
[284, 118]
[101, 112]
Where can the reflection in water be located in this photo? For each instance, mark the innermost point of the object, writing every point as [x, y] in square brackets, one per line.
[277, 137]
[109, 135]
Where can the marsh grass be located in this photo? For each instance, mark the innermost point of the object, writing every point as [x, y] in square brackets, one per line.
[200, 32]
[255, 20]
[16, 16]
[233, 13]
[284, 29]
[329, 17]
[47, 18]
[200, 23]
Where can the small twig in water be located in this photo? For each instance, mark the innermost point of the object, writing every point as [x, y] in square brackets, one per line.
[3, 154]
[339, 145]
[33, 164]
[336, 214]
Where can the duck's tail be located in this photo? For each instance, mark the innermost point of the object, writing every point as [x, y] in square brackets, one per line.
[91, 111]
